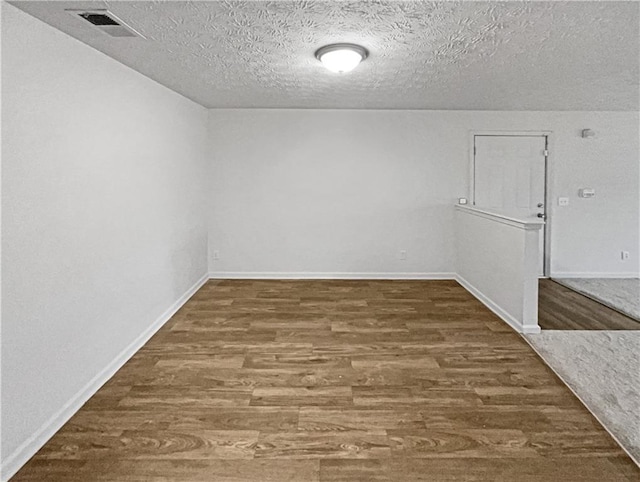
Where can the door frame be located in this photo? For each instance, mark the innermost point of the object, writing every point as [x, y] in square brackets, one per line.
[548, 172]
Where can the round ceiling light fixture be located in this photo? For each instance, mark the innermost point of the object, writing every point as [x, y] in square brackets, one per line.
[341, 58]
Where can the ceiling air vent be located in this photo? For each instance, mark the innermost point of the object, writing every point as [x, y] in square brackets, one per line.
[107, 22]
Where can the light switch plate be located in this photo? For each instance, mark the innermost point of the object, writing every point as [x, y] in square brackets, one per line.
[563, 201]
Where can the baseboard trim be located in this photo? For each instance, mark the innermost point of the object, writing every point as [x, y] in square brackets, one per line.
[28, 448]
[594, 275]
[494, 307]
[328, 275]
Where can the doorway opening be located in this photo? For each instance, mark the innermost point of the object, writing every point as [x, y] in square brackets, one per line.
[509, 175]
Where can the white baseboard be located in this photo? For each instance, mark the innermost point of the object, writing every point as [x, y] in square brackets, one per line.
[327, 275]
[27, 449]
[573, 274]
[531, 330]
[493, 306]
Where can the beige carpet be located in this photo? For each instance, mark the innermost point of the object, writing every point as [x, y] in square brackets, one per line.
[621, 294]
[603, 369]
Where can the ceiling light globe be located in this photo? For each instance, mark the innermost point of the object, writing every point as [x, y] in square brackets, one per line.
[341, 58]
[341, 61]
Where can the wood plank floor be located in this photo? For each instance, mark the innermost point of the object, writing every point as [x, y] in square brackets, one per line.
[333, 381]
[561, 308]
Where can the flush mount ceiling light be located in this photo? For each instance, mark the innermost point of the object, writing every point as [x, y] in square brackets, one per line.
[341, 58]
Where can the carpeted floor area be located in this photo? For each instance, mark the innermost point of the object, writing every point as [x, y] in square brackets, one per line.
[622, 294]
[603, 369]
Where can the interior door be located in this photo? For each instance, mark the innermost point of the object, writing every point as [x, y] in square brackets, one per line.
[509, 176]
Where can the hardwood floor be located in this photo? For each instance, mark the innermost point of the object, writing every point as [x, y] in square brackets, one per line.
[561, 308]
[333, 381]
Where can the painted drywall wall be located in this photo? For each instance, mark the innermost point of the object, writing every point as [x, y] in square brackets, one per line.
[342, 193]
[496, 261]
[332, 193]
[103, 226]
[589, 234]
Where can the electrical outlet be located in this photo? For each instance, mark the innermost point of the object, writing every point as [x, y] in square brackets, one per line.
[216, 255]
[403, 254]
[624, 255]
[563, 201]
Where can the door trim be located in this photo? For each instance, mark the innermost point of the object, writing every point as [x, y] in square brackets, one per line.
[548, 176]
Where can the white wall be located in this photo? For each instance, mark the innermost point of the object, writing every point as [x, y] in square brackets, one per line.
[339, 191]
[496, 260]
[103, 226]
[589, 234]
[332, 192]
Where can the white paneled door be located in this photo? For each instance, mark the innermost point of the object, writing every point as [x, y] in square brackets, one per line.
[509, 177]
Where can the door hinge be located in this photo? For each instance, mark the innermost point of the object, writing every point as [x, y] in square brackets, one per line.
[546, 152]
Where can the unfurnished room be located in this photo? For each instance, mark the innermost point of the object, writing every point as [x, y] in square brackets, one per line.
[320, 241]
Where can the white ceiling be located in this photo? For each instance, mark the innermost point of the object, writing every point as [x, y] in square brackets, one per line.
[423, 55]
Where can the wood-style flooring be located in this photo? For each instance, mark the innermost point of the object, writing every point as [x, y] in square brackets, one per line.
[561, 308]
[333, 381]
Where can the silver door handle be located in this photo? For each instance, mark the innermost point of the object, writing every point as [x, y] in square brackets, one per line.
[542, 215]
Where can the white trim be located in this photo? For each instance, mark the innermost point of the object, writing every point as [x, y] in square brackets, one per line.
[593, 275]
[511, 133]
[548, 177]
[529, 224]
[637, 461]
[549, 206]
[29, 447]
[493, 306]
[328, 275]
[497, 133]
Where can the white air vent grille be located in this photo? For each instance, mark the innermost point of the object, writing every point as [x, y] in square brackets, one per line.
[105, 21]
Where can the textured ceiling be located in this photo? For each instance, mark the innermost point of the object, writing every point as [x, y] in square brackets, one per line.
[423, 55]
